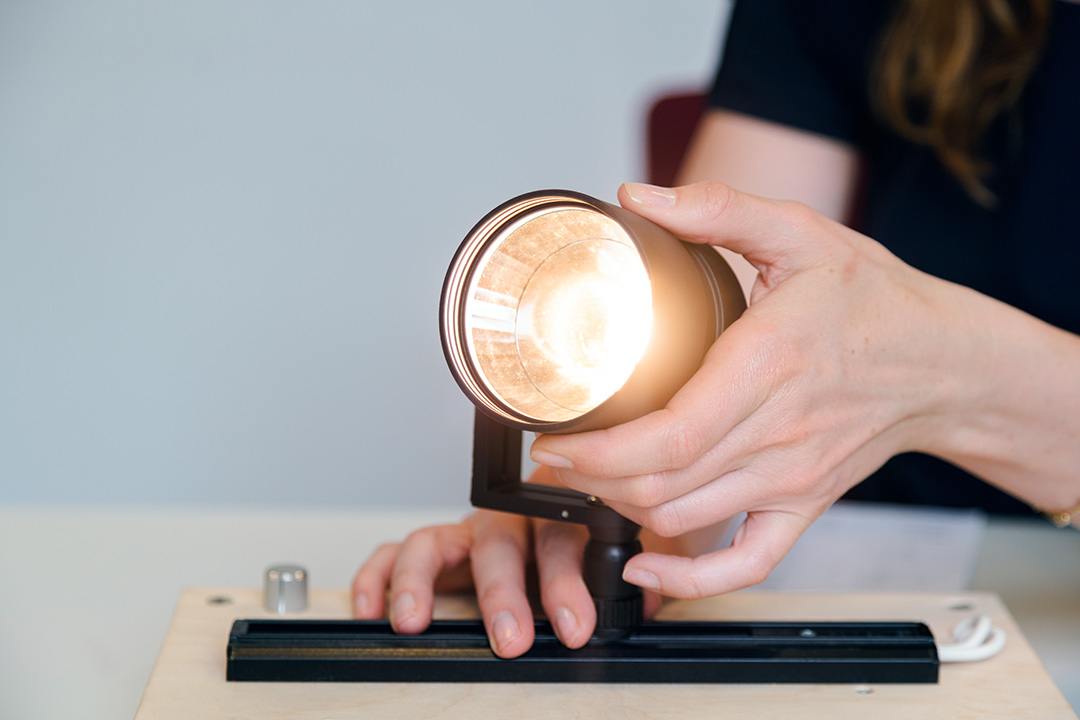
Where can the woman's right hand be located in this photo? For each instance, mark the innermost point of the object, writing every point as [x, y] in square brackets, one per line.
[490, 552]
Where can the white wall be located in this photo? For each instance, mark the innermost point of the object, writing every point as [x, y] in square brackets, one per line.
[224, 227]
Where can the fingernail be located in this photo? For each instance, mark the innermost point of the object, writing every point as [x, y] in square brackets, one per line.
[360, 605]
[566, 625]
[403, 609]
[504, 629]
[651, 195]
[641, 578]
[551, 460]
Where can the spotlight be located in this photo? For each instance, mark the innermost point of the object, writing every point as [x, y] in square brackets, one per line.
[561, 313]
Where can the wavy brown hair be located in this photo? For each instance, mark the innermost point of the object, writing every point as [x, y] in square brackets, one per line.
[946, 69]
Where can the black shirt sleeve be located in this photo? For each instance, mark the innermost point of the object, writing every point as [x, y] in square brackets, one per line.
[800, 63]
[807, 64]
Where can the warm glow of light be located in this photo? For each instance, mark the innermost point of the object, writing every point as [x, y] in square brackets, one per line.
[584, 322]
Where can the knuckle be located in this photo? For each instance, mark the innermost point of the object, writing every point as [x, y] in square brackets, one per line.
[803, 483]
[494, 593]
[715, 200]
[758, 568]
[361, 581]
[646, 490]
[600, 466]
[600, 462]
[684, 444]
[780, 356]
[805, 471]
[410, 579]
[664, 520]
[421, 536]
[561, 588]
[546, 540]
[495, 539]
[551, 538]
[800, 215]
[806, 227]
[491, 523]
[385, 549]
[384, 557]
[696, 586]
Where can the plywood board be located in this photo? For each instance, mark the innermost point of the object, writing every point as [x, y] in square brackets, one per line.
[189, 677]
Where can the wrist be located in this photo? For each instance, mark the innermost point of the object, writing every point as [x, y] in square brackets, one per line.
[957, 391]
[1007, 403]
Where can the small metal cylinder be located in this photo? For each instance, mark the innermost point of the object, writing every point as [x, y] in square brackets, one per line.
[285, 589]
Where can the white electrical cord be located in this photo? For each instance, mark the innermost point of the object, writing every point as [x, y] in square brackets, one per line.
[976, 639]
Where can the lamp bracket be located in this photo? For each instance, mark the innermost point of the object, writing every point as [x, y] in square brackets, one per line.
[497, 485]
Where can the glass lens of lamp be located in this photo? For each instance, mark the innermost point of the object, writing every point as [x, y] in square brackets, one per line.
[559, 314]
[583, 322]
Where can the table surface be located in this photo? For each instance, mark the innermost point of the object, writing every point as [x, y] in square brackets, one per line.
[86, 594]
[189, 678]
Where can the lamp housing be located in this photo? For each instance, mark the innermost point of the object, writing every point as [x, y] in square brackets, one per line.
[563, 313]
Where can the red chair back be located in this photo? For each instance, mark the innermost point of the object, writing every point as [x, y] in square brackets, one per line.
[670, 125]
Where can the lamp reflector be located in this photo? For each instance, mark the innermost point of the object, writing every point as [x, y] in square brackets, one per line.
[555, 302]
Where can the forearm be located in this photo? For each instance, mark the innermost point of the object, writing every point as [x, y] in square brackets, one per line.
[1012, 415]
[774, 161]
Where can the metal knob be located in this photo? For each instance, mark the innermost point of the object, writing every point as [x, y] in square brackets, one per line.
[285, 590]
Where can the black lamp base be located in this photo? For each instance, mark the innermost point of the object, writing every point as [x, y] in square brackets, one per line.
[661, 652]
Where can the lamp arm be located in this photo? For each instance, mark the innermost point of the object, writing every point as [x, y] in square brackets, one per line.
[497, 485]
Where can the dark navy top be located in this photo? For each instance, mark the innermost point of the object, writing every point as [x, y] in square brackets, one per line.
[806, 64]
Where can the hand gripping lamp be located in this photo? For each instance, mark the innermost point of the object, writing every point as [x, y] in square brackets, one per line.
[561, 313]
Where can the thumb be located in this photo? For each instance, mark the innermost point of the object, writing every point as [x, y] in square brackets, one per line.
[774, 235]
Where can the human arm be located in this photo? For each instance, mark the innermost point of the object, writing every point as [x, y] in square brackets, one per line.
[769, 160]
[845, 357]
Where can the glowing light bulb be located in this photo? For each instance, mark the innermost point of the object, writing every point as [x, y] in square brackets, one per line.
[562, 313]
[584, 321]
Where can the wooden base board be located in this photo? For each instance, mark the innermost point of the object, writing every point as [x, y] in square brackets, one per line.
[188, 680]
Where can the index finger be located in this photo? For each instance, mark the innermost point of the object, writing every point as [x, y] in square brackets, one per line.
[420, 560]
[724, 392]
[760, 543]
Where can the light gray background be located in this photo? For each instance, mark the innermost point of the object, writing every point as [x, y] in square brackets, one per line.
[224, 227]
[223, 231]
